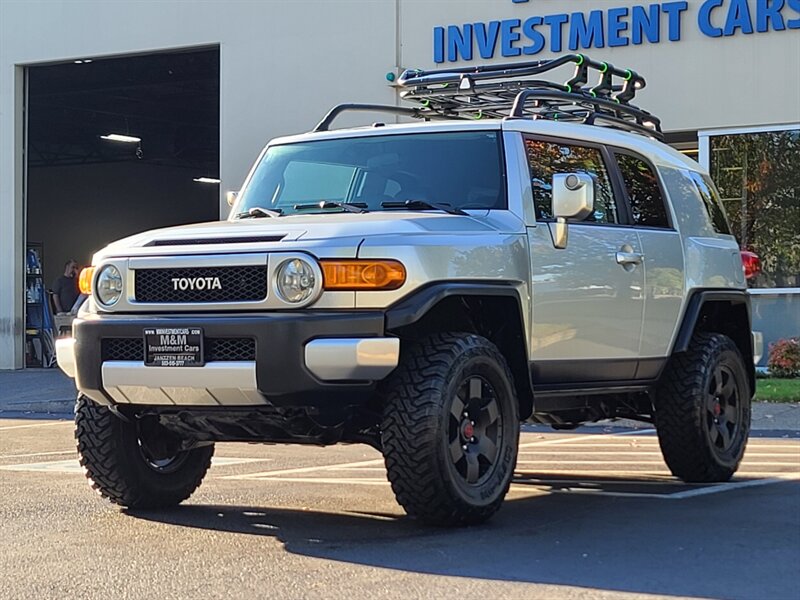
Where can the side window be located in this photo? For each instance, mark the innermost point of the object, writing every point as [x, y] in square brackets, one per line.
[545, 159]
[647, 205]
[712, 203]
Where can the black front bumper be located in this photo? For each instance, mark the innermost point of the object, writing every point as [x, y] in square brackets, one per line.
[281, 375]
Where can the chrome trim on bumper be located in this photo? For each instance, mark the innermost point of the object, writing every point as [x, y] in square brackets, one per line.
[215, 384]
[352, 358]
[65, 355]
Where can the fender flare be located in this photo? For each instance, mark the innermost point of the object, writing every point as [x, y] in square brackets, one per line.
[695, 306]
[414, 306]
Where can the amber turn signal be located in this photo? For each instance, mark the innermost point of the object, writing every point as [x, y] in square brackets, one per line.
[85, 280]
[362, 274]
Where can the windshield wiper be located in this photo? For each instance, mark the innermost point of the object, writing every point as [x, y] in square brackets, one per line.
[423, 204]
[257, 212]
[355, 207]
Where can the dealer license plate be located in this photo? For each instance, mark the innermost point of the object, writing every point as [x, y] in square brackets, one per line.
[173, 347]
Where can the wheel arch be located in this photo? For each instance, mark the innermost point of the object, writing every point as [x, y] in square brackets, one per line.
[720, 311]
[456, 306]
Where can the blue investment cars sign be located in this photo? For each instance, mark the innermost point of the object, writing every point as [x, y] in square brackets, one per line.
[651, 23]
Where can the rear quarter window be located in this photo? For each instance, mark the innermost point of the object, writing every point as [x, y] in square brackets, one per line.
[708, 192]
[693, 218]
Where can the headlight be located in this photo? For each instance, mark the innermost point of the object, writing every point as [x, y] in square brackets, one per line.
[295, 280]
[109, 285]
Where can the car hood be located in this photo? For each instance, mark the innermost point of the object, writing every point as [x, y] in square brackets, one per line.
[293, 231]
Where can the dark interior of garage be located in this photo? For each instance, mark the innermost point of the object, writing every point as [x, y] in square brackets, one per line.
[113, 147]
[116, 146]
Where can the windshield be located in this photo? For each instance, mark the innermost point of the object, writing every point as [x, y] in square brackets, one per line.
[461, 170]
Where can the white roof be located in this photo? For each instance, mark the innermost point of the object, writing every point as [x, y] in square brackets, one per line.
[657, 152]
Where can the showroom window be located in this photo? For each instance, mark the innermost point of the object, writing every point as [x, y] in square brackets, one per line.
[758, 178]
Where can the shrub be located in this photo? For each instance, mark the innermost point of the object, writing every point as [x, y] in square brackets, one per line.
[784, 358]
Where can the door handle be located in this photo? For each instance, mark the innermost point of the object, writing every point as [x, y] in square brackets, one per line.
[629, 258]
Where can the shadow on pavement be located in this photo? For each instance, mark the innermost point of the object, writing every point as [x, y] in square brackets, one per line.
[731, 545]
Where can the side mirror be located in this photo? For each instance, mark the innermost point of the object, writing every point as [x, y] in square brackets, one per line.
[230, 197]
[573, 198]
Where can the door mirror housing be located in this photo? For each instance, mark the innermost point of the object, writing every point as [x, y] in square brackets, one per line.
[230, 197]
[573, 198]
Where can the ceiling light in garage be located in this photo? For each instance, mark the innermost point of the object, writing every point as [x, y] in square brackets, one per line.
[118, 137]
[205, 180]
[85, 61]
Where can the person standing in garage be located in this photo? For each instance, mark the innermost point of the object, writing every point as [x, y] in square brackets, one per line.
[65, 288]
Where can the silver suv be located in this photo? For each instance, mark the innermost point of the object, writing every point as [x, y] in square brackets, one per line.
[530, 253]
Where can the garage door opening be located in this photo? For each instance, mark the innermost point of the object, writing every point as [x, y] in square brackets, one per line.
[114, 147]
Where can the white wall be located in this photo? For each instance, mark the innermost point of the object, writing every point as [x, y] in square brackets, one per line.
[282, 65]
[284, 62]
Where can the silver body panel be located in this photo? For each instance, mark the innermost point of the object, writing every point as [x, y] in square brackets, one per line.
[214, 384]
[350, 359]
[615, 292]
[585, 305]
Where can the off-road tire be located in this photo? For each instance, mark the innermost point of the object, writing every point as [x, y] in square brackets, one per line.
[113, 461]
[687, 410]
[418, 425]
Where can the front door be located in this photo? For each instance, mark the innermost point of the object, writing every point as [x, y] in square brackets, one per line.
[588, 298]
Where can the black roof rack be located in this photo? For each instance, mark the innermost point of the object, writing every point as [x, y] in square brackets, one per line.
[511, 91]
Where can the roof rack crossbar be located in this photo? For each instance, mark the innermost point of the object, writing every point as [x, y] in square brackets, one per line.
[325, 123]
[513, 91]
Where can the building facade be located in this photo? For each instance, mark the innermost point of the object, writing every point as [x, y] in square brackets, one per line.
[723, 76]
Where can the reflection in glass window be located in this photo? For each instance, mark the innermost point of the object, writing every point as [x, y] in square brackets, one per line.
[462, 169]
[758, 176]
[312, 182]
[545, 159]
[647, 205]
[712, 202]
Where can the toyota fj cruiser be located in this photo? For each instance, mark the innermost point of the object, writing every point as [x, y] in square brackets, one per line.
[531, 252]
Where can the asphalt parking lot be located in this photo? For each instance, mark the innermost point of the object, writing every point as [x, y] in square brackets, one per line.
[591, 514]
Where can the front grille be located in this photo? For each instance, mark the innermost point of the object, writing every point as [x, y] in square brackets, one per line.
[215, 349]
[123, 349]
[235, 284]
[227, 349]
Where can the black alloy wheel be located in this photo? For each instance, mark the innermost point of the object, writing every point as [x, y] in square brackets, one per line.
[451, 429]
[724, 409]
[702, 410]
[123, 467]
[476, 432]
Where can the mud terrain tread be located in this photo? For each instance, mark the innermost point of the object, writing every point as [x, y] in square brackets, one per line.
[409, 431]
[680, 411]
[107, 463]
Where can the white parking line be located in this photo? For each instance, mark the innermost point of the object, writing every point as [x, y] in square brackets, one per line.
[584, 438]
[73, 467]
[48, 424]
[641, 463]
[633, 451]
[330, 480]
[5, 456]
[273, 474]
